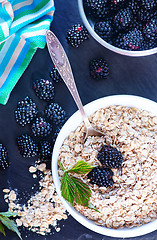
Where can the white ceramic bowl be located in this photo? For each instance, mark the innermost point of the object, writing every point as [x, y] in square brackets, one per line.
[73, 122]
[90, 27]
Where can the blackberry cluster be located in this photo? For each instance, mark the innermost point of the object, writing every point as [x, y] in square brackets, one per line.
[45, 150]
[98, 8]
[129, 24]
[44, 89]
[3, 157]
[56, 114]
[26, 111]
[41, 127]
[104, 30]
[99, 68]
[56, 77]
[101, 176]
[77, 35]
[110, 157]
[27, 146]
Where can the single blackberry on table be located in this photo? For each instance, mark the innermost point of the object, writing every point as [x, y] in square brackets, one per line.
[97, 8]
[3, 157]
[104, 30]
[99, 68]
[110, 157]
[122, 20]
[132, 41]
[44, 89]
[56, 77]
[41, 127]
[26, 111]
[27, 146]
[101, 176]
[56, 114]
[150, 30]
[55, 135]
[77, 35]
[45, 150]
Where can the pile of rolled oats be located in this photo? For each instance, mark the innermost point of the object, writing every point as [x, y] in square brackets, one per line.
[132, 201]
[42, 210]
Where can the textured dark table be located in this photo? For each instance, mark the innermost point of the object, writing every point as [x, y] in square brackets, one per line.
[137, 76]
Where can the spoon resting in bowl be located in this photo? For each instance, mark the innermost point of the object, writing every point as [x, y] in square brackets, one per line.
[62, 64]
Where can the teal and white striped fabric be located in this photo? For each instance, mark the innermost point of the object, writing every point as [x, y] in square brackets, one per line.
[23, 24]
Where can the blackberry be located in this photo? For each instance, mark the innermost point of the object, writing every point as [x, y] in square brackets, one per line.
[55, 135]
[104, 30]
[144, 16]
[41, 127]
[148, 4]
[97, 8]
[149, 45]
[150, 30]
[56, 114]
[133, 40]
[99, 68]
[45, 150]
[26, 111]
[117, 5]
[134, 6]
[122, 20]
[44, 89]
[110, 157]
[3, 157]
[101, 176]
[77, 35]
[27, 146]
[56, 77]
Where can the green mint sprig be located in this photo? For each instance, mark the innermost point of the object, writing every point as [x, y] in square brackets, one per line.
[73, 189]
[7, 222]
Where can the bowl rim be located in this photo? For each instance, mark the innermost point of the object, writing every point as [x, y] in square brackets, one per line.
[107, 45]
[71, 125]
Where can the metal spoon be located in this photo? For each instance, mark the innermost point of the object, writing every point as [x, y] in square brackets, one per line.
[62, 64]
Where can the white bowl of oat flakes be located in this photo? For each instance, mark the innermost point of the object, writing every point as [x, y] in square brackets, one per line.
[128, 208]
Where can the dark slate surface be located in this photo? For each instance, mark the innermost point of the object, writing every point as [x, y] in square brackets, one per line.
[137, 76]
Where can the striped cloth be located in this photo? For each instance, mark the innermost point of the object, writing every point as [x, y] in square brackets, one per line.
[23, 24]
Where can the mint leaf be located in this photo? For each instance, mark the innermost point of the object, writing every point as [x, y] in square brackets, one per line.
[8, 214]
[10, 224]
[81, 167]
[67, 188]
[2, 229]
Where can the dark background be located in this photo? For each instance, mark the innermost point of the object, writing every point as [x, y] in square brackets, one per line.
[128, 75]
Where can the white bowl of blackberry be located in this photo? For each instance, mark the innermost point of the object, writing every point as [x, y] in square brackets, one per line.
[108, 183]
[127, 27]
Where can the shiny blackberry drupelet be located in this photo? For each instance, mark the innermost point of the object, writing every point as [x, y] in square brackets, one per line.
[150, 30]
[110, 157]
[104, 30]
[44, 89]
[99, 69]
[26, 111]
[123, 19]
[41, 127]
[27, 146]
[56, 114]
[56, 77]
[45, 151]
[3, 157]
[101, 176]
[97, 8]
[77, 35]
[132, 41]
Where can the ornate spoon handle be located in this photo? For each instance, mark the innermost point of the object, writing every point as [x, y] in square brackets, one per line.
[62, 64]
